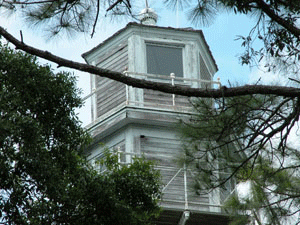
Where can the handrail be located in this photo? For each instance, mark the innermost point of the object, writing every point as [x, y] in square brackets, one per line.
[187, 204]
[171, 77]
[176, 103]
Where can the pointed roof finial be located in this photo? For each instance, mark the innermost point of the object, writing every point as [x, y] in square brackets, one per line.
[148, 15]
[147, 6]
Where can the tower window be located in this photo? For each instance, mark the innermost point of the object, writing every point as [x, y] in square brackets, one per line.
[164, 60]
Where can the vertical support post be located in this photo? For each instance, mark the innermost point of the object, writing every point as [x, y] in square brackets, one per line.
[172, 75]
[220, 86]
[93, 105]
[199, 83]
[119, 152]
[127, 89]
[186, 206]
[215, 195]
[94, 96]
[219, 82]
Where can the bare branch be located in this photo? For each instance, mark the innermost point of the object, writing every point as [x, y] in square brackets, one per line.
[140, 83]
[28, 2]
[286, 24]
[96, 19]
[114, 5]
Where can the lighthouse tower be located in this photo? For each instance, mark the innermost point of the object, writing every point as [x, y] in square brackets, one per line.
[139, 122]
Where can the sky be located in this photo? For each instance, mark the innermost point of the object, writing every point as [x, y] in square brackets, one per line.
[220, 36]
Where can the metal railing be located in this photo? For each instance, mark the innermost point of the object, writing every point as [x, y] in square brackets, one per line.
[136, 97]
[213, 205]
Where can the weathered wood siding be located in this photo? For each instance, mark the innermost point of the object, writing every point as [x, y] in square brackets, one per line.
[166, 152]
[164, 100]
[204, 73]
[112, 93]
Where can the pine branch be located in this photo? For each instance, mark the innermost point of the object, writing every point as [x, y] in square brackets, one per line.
[114, 5]
[28, 2]
[275, 17]
[163, 87]
[96, 19]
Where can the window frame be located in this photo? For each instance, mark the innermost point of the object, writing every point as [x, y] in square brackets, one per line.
[166, 45]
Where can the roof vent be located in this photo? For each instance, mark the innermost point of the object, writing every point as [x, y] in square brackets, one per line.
[148, 16]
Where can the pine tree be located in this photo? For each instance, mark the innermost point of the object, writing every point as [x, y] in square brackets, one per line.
[245, 139]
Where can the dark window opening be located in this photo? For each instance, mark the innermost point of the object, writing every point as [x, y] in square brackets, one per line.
[164, 60]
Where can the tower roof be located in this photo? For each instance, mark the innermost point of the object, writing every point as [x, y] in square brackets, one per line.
[142, 26]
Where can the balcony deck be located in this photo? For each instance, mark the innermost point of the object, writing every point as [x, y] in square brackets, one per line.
[111, 96]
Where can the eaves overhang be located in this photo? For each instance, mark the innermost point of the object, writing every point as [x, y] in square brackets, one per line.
[134, 115]
[138, 25]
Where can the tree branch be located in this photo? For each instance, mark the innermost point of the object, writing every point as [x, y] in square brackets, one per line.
[114, 5]
[27, 2]
[163, 87]
[96, 19]
[286, 24]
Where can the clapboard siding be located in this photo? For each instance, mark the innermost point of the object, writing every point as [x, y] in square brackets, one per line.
[166, 152]
[112, 93]
[157, 98]
[204, 73]
[112, 90]
[117, 60]
[118, 63]
[111, 103]
[112, 51]
[156, 145]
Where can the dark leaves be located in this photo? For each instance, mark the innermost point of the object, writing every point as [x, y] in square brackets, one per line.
[44, 176]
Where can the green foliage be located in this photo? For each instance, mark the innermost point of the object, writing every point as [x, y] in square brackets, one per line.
[245, 139]
[62, 15]
[44, 177]
[131, 182]
[272, 195]
[69, 16]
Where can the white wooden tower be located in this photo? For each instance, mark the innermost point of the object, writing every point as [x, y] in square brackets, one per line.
[143, 122]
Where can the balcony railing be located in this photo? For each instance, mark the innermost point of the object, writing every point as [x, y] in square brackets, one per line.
[177, 190]
[145, 98]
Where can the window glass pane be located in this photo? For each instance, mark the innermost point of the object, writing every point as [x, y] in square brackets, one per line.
[163, 60]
